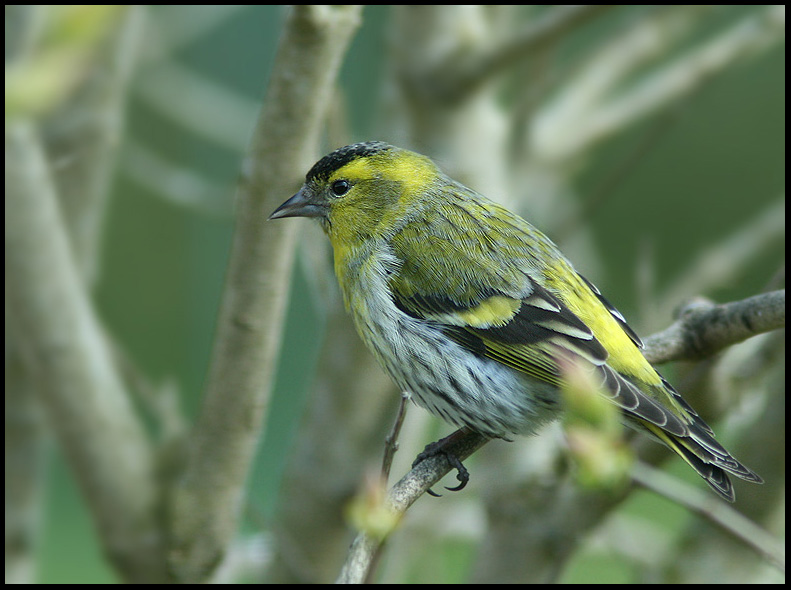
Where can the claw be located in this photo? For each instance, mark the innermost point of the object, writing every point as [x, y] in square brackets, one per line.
[436, 448]
[462, 475]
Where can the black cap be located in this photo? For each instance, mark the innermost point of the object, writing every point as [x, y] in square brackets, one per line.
[331, 162]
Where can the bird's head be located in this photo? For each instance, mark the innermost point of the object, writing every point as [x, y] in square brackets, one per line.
[362, 190]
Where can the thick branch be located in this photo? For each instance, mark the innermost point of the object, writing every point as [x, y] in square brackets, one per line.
[206, 504]
[705, 328]
[66, 352]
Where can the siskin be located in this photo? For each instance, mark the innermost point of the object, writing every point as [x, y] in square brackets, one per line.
[476, 313]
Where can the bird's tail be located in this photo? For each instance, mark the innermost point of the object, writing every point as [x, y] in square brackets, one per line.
[706, 456]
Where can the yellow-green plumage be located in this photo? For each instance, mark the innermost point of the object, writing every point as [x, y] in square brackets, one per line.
[475, 312]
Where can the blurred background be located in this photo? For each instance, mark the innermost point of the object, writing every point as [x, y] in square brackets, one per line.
[649, 143]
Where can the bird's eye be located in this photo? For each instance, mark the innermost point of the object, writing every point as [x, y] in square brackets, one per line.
[340, 187]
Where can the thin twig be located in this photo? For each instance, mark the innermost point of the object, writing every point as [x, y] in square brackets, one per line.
[712, 509]
[549, 28]
[595, 105]
[598, 196]
[362, 554]
[391, 441]
[722, 263]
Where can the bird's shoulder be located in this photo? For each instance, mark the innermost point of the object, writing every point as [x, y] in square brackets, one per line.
[457, 243]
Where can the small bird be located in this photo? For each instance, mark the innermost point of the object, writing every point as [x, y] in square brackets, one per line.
[475, 313]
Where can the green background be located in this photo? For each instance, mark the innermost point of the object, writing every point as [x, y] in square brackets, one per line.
[720, 161]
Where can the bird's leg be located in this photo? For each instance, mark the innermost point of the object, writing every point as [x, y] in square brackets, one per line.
[440, 447]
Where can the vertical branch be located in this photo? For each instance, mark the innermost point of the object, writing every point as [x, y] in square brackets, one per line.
[64, 348]
[205, 505]
[56, 346]
[24, 432]
[82, 138]
[24, 460]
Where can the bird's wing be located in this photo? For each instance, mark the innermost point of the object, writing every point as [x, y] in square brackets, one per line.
[471, 269]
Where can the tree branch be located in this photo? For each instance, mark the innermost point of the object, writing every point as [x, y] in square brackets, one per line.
[400, 497]
[550, 27]
[205, 505]
[55, 341]
[594, 105]
[66, 352]
[722, 514]
[723, 262]
[705, 328]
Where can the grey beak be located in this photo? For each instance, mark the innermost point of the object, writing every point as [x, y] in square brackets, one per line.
[303, 204]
